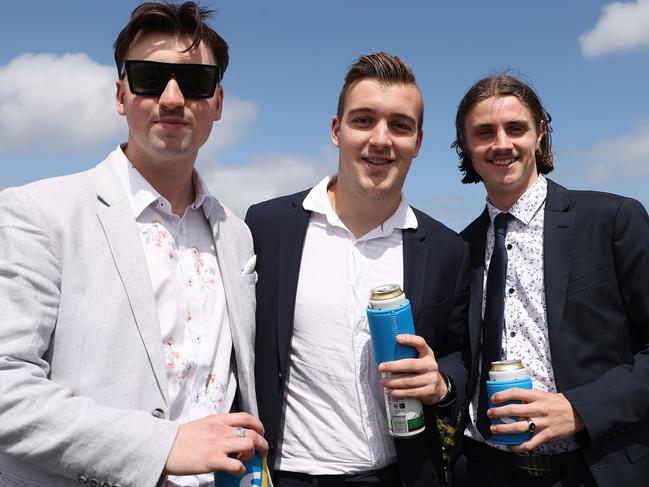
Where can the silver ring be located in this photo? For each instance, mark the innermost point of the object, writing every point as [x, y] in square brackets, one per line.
[241, 432]
[531, 425]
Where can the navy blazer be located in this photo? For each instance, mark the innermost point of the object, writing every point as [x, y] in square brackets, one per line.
[436, 281]
[596, 271]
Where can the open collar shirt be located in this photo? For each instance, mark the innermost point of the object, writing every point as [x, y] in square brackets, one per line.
[181, 259]
[525, 334]
[335, 420]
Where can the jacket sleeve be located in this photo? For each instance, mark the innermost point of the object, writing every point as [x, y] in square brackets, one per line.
[618, 400]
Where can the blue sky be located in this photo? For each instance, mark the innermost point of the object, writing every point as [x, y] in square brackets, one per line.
[589, 61]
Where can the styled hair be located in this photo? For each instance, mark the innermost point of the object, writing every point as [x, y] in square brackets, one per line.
[384, 68]
[187, 19]
[499, 86]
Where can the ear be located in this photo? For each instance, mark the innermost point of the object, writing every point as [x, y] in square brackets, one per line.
[120, 95]
[542, 132]
[218, 98]
[420, 138]
[335, 129]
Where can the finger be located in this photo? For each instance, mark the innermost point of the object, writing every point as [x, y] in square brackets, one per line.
[415, 341]
[516, 394]
[230, 465]
[418, 392]
[511, 410]
[408, 381]
[243, 420]
[516, 427]
[409, 366]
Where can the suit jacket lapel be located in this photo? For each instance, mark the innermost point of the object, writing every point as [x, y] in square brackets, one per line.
[116, 218]
[415, 256]
[293, 232]
[557, 247]
[476, 235]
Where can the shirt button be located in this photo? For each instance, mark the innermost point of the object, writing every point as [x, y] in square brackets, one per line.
[509, 246]
[511, 290]
[512, 334]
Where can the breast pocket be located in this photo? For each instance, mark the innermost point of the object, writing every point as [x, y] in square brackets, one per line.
[590, 280]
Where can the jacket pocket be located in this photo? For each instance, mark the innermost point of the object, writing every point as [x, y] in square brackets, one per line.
[582, 283]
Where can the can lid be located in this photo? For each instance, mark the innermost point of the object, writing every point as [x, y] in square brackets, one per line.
[507, 365]
[387, 291]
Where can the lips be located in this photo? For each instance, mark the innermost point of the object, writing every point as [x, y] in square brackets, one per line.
[503, 162]
[378, 161]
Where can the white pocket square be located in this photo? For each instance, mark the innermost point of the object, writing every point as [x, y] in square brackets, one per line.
[249, 268]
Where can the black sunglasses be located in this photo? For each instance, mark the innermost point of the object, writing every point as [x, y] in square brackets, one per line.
[150, 78]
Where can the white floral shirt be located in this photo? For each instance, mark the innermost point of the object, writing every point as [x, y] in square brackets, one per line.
[192, 313]
[525, 334]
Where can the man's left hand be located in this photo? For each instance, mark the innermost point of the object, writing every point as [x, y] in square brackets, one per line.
[423, 379]
[552, 413]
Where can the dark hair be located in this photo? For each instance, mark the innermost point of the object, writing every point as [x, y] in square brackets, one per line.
[186, 19]
[498, 86]
[383, 67]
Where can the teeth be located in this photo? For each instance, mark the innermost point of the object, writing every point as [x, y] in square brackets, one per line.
[502, 162]
[372, 160]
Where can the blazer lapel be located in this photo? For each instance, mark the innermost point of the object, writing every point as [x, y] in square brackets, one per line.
[415, 256]
[293, 232]
[558, 230]
[476, 236]
[116, 218]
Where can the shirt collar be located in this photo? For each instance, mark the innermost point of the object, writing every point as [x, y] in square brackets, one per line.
[528, 204]
[317, 201]
[141, 194]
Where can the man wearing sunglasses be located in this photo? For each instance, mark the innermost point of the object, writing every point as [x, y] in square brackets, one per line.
[128, 290]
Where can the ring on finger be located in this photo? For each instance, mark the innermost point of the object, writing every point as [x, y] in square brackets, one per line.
[531, 425]
[241, 432]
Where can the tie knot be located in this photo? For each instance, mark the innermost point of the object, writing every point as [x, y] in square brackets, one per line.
[500, 223]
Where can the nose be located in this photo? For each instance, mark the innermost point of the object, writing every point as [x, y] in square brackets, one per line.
[502, 140]
[172, 97]
[380, 136]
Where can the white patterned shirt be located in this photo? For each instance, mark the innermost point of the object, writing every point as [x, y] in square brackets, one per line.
[525, 334]
[186, 282]
[335, 420]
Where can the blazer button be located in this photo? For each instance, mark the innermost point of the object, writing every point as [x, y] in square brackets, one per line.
[94, 483]
[158, 413]
[82, 479]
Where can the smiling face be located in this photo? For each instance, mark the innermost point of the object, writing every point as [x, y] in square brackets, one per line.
[502, 139]
[168, 128]
[378, 137]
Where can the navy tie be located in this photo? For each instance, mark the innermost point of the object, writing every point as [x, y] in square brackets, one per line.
[494, 316]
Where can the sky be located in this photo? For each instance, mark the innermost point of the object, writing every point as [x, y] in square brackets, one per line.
[588, 60]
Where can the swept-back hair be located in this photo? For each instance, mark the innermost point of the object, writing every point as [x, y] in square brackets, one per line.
[187, 19]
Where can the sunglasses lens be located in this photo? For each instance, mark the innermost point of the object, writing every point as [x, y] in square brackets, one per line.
[197, 81]
[148, 78]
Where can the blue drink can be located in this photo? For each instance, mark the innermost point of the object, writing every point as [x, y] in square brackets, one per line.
[388, 315]
[505, 375]
[256, 475]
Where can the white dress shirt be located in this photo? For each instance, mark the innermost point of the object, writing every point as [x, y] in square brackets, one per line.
[186, 282]
[335, 420]
[525, 334]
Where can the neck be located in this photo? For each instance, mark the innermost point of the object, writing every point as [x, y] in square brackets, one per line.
[359, 213]
[172, 179]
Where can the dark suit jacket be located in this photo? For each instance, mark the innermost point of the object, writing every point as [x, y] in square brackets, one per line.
[596, 271]
[436, 281]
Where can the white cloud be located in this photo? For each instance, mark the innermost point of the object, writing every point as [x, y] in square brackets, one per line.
[57, 103]
[237, 117]
[266, 177]
[622, 27]
[620, 158]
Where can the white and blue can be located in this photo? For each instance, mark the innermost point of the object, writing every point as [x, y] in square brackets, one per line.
[388, 315]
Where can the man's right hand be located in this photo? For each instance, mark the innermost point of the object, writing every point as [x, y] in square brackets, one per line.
[204, 445]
